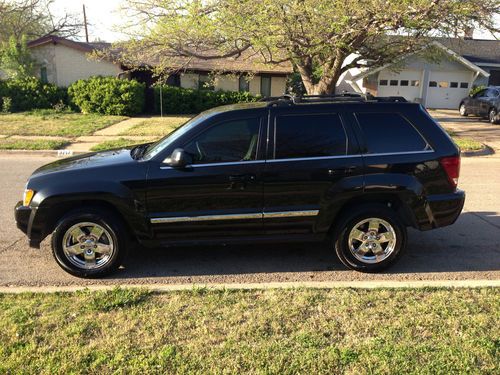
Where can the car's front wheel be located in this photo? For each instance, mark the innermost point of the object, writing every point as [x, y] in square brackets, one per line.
[493, 116]
[370, 238]
[463, 110]
[89, 243]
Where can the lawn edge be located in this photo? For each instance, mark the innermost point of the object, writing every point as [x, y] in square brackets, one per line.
[383, 284]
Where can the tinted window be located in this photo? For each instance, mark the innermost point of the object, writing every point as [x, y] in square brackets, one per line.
[234, 140]
[243, 84]
[404, 82]
[304, 136]
[433, 84]
[454, 85]
[389, 132]
[265, 85]
[383, 82]
[393, 82]
[491, 93]
[464, 85]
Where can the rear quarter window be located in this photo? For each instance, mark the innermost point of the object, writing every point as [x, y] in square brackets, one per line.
[389, 132]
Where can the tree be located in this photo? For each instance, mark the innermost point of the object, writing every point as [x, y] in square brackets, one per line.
[316, 36]
[15, 59]
[33, 18]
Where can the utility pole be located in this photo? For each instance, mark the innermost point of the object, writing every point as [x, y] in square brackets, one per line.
[85, 24]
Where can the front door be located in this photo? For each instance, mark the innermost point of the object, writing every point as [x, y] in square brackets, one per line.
[220, 194]
[302, 175]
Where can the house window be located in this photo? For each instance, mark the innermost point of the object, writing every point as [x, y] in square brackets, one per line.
[244, 84]
[43, 74]
[433, 84]
[205, 82]
[443, 84]
[415, 83]
[383, 82]
[464, 85]
[394, 82]
[404, 83]
[454, 85]
[265, 86]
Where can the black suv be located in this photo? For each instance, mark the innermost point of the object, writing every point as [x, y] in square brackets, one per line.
[484, 103]
[353, 171]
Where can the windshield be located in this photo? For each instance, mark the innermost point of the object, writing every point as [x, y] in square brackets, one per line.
[155, 148]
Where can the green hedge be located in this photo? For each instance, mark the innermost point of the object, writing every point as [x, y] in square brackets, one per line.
[108, 96]
[30, 93]
[177, 100]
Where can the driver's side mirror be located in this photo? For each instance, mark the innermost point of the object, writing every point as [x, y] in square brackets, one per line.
[179, 159]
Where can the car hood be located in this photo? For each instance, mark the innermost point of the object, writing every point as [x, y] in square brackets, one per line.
[87, 161]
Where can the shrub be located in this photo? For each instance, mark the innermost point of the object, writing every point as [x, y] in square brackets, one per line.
[177, 100]
[30, 93]
[108, 96]
[6, 104]
[475, 89]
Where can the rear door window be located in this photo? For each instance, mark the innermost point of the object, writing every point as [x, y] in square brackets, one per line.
[309, 136]
[390, 132]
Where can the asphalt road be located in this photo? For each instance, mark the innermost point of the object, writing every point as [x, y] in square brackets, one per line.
[470, 249]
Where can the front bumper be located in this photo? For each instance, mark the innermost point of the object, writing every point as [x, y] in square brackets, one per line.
[24, 220]
[441, 210]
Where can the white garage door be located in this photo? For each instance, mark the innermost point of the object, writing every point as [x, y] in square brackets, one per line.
[447, 89]
[406, 84]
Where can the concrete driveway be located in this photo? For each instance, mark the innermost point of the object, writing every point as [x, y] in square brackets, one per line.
[470, 249]
[469, 127]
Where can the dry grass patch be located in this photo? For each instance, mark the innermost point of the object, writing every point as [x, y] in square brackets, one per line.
[158, 126]
[262, 331]
[53, 123]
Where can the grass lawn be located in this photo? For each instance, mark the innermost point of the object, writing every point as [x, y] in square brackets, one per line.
[50, 122]
[30, 144]
[465, 144]
[296, 331]
[158, 126]
[116, 143]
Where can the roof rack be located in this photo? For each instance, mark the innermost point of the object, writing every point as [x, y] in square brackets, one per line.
[289, 100]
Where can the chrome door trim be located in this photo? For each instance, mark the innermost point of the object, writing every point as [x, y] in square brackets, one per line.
[219, 164]
[273, 215]
[246, 216]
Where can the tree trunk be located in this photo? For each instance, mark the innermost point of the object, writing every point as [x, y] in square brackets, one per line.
[331, 74]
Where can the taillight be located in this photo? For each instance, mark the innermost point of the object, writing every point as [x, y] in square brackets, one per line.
[451, 165]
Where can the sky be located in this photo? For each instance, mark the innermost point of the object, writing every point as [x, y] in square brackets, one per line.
[104, 18]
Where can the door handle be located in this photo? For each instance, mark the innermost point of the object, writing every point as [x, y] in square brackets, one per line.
[350, 170]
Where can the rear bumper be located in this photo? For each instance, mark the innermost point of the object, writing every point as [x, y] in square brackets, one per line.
[24, 220]
[441, 210]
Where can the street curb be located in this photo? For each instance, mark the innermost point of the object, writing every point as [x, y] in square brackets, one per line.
[487, 150]
[262, 286]
[53, 153]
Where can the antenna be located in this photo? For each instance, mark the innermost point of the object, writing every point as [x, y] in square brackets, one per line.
[85, 24]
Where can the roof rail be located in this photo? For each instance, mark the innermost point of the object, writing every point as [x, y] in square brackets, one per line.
[288, 100]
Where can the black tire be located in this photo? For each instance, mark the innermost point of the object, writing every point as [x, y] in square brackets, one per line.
[493, 116]
[107, 220]
[463, 112]
[357, 215]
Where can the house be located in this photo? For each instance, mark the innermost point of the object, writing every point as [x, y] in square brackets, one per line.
[62, 61]
[463, 64]
[246, 72]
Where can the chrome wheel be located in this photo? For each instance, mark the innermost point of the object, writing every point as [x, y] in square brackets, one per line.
[372, 240]
[88, 245]
[493, 116]
[463, 110]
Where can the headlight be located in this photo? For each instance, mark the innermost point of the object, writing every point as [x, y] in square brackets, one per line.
[27, 197]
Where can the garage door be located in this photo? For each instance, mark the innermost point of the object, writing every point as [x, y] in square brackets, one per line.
[406, 84]
[447, 89]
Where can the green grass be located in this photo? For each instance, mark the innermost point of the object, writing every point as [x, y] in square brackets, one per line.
[116, 143]
[50, 122]
[157, 126]
[465, 144]
[297, 331]
[30, 144]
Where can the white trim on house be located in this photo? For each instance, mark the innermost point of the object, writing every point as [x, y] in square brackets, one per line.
[456, 56]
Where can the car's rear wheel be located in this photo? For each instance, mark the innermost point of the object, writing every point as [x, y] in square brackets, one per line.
[493, 116]
[370, 238]
[89, 243]
[463, 110]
